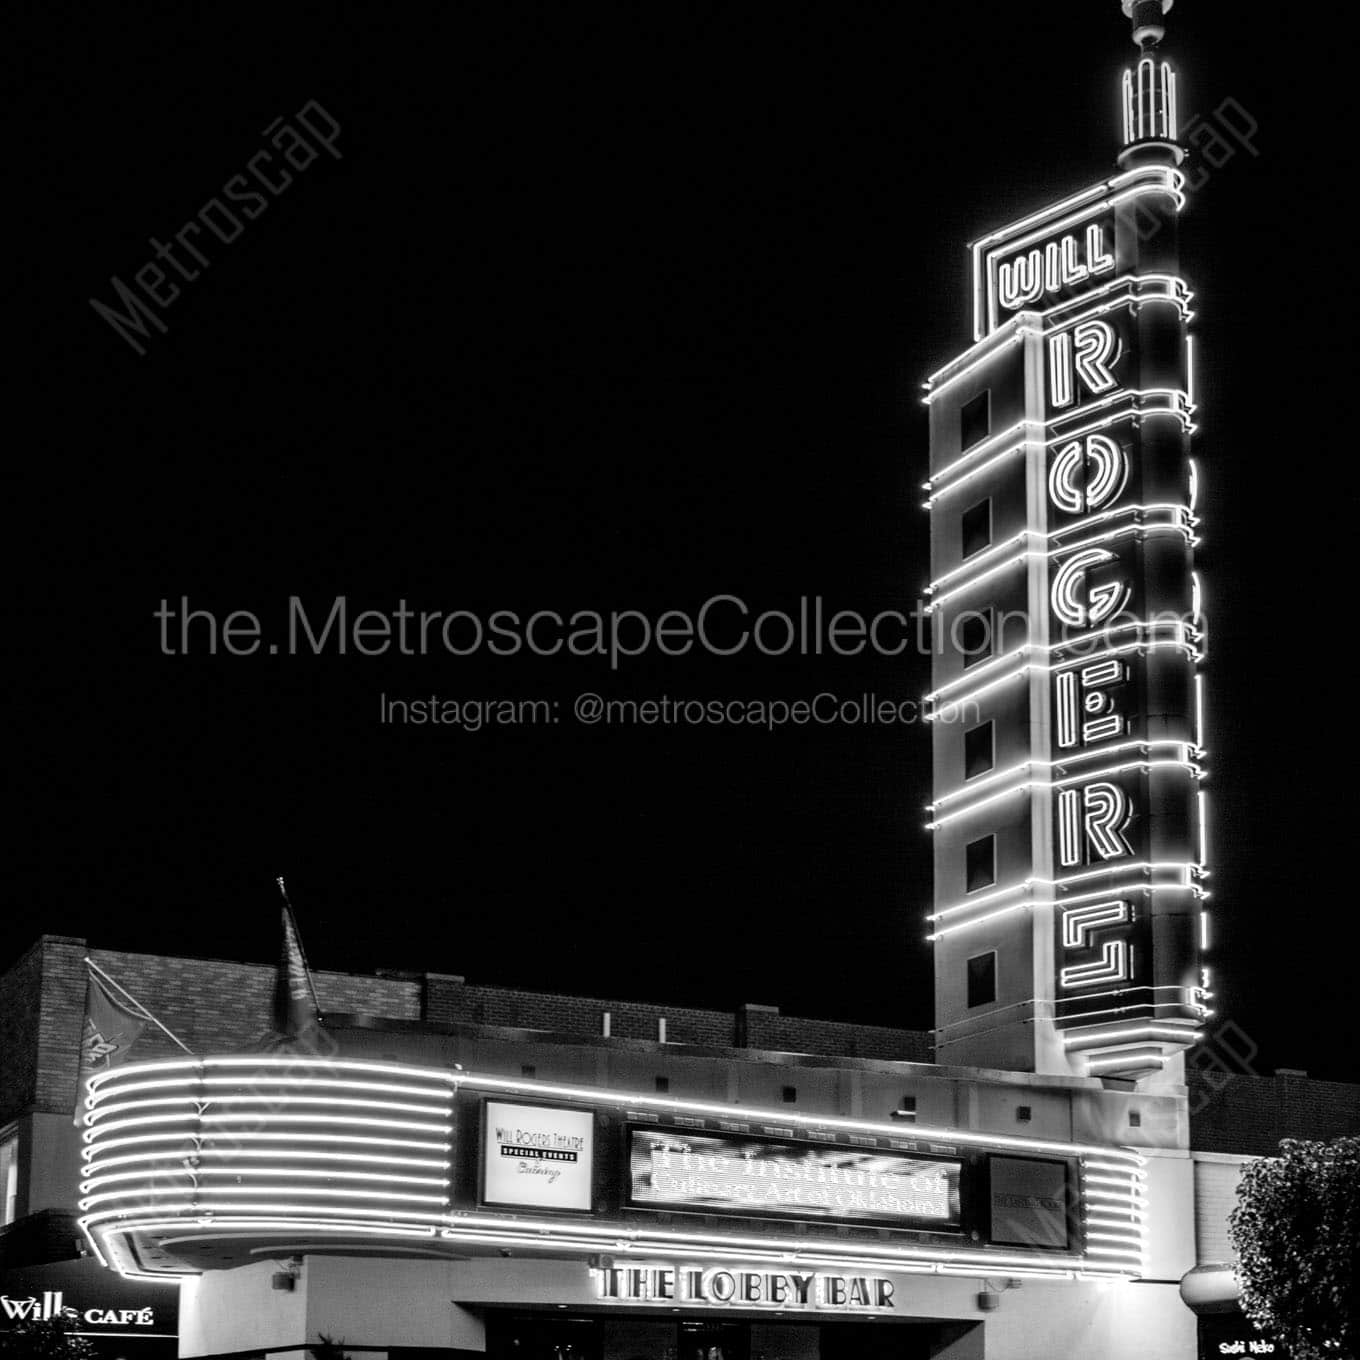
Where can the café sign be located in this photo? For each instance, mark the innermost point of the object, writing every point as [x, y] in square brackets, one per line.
[52, 1304]
[95, 1301]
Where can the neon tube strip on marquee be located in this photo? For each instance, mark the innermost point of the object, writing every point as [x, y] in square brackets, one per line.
[183, 1158]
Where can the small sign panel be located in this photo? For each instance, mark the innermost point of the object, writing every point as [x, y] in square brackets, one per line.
[1230, 1334]
[538, 1156]
[743, 1286]
[1029, 1202]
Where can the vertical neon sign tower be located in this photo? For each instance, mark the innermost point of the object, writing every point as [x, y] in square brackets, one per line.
[1069, 914]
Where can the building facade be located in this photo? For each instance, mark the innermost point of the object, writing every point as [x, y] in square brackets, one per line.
[446, 1169]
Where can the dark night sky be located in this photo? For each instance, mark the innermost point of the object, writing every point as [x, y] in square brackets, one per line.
[606, 313]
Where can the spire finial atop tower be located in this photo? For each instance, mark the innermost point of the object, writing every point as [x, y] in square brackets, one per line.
[1149, 92]
[1146, 17]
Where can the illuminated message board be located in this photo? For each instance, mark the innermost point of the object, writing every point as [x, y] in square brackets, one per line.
[715, 1174]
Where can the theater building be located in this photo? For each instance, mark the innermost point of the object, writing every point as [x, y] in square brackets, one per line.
[450, 1169]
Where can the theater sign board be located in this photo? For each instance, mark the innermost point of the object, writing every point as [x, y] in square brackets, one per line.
[716, 1173]
[448, 1163]
[539, 1156]
[744, 1286]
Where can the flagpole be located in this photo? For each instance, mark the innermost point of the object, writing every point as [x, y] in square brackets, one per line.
[297, 935]
[169, 1033]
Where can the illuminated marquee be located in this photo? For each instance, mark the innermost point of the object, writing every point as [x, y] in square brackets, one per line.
[190, 1164]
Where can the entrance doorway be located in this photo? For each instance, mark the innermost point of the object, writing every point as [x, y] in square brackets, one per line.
[557, 1336]
[543, 1336]
[575, 1336]
[714, 1341]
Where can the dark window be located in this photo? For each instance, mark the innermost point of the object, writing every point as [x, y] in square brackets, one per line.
[982, 979]
[980, 863]
[1023, 1113]
[9, 1179]
[663, 1084]
[906, 1110]
[979, 749]
[790, 1094]
[977, 527]
[974, 633]
[975, 420]
[1135, 1119]
[528, 1070]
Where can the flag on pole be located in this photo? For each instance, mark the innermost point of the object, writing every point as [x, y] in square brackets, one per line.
[296, 1012]
[111, 1029]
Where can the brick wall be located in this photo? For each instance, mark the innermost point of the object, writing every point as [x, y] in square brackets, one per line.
[450, 999]
[213, 1005]
[1250, 1114]
[216, 1006]
[62, 1013]
[1234, 1117]
[1215, 1198]
[20, 989]
[791, 1034]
